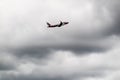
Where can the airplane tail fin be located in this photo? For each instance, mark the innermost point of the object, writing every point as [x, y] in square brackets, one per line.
[48, 24]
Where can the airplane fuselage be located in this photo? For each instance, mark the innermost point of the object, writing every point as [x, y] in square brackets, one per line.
[57, 25]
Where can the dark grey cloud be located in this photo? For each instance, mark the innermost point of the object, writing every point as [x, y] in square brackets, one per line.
[7, 62]
[6, 66]
[38, 51]
[113, 9]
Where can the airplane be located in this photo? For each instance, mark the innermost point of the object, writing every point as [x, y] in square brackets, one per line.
[57, 25]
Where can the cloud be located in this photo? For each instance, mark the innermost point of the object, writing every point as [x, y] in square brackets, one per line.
[85, 49]
[7, 62]
[111, 11]
[65, 65]
[89, 23]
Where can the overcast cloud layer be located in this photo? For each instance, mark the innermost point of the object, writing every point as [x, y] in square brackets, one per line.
[86, 49]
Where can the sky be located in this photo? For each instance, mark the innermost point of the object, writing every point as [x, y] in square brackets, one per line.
[85, 49]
